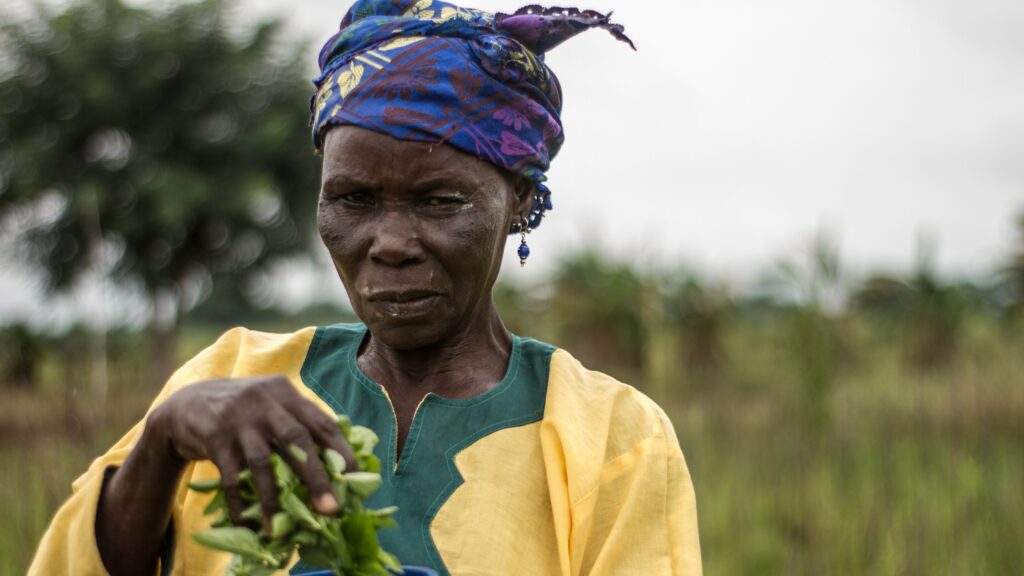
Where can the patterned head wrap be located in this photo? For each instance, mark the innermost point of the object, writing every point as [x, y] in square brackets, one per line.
[429, 71]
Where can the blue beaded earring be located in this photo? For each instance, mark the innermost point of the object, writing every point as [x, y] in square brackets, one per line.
[524, 250]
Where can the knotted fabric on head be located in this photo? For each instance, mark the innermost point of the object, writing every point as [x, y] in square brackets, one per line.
[429, 71]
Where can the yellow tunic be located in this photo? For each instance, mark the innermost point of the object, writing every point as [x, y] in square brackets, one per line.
[557, 470]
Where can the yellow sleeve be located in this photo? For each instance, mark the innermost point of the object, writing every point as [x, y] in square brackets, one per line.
[69, 545]
[621, 482]
[641, 518]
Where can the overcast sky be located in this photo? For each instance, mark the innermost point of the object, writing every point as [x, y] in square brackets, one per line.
[741, 128]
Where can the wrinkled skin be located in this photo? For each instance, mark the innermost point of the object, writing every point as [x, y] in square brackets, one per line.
[416, 233]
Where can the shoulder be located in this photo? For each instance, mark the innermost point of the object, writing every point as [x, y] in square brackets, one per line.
[243, 352]
[599, 416]
[240, 351]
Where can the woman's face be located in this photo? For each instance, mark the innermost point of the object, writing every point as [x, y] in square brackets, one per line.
[416, 232]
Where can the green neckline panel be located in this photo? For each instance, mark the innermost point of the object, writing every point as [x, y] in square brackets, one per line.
[425, 476]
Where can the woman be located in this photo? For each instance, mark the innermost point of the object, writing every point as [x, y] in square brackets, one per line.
[503, 454]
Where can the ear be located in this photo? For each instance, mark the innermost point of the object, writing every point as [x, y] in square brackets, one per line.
[524, 190]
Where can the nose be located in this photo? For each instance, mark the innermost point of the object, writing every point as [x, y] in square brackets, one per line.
[396, 240]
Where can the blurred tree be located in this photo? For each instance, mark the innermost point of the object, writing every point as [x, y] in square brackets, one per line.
[223, 309]
[21, 351]
[599, 309]
[523, 310]
[163, 149]
[1014, 275]
[698, 311]
[814, 287]
[929, 311]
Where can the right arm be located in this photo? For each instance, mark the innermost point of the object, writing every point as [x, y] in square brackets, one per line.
[135, 503]
[235, 423]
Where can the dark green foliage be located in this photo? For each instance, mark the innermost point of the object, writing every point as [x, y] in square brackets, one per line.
[345, 543]
[21, 352]
[154, 146]
[699, 310]
[600, 307]
[927, 312]
[1013, 277]
[812, 291]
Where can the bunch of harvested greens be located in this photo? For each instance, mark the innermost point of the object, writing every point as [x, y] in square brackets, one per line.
[345, 543]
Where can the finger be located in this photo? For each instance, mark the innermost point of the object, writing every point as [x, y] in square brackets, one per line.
[257, 456]
[324, 430]
[290, 432]
[229, 466]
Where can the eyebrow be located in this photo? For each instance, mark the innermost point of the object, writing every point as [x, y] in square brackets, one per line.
[338, 179]
[355, 180]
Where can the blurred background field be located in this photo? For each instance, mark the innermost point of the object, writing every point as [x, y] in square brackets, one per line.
[818, 443]
[157, 188]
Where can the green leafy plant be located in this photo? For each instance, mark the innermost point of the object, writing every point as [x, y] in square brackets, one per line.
[345, 543]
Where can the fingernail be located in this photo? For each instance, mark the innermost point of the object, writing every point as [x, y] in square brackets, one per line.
[327, 503]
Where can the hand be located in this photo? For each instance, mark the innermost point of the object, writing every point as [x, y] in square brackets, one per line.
[238, 423]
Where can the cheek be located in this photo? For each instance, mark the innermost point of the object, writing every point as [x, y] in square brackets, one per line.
[480, 241]
[337, 235]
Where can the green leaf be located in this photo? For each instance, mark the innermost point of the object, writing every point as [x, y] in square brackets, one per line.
[246, 486]
[371, 567]
[254, 512]
[286, 478]
[305, 538]
[223, 520]
[317, 557]
[281, 549]
[335, 462]
[245, 478]
[217, 503]
[368, 462]
[361, 537]
[390, 561]
[240, 566]
[363, 439]
[294, 506]
[383, 518]
[338, 543]
[383, 512]
[241, 541]
[298, 453]
[345, 425]
[281, 525]
[339, 484]
[363, 483]
[208, 485]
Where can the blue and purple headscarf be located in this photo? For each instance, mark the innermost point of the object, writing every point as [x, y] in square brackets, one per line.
[429, 71]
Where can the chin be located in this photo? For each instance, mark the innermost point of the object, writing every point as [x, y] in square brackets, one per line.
[402, 327]
[400, 335]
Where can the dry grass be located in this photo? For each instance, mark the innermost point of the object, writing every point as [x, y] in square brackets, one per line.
[907, 473]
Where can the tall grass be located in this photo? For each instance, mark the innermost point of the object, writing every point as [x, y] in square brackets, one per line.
[909, 472]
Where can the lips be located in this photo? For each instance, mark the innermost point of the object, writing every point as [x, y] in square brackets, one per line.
[400, 296]
[404, 304]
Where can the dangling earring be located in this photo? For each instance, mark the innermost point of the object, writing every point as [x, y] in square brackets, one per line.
[524, 250]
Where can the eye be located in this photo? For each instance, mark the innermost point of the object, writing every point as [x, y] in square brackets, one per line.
[444, 200]
[439, 201]
[357, 198]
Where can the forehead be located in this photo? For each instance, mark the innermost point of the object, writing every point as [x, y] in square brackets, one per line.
[355, 153]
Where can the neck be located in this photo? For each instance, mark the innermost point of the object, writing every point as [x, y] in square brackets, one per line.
[463, 365]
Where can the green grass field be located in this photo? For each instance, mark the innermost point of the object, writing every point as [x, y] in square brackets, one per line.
[898, 471]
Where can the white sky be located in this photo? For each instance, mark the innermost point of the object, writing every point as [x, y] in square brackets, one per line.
[741, 128]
